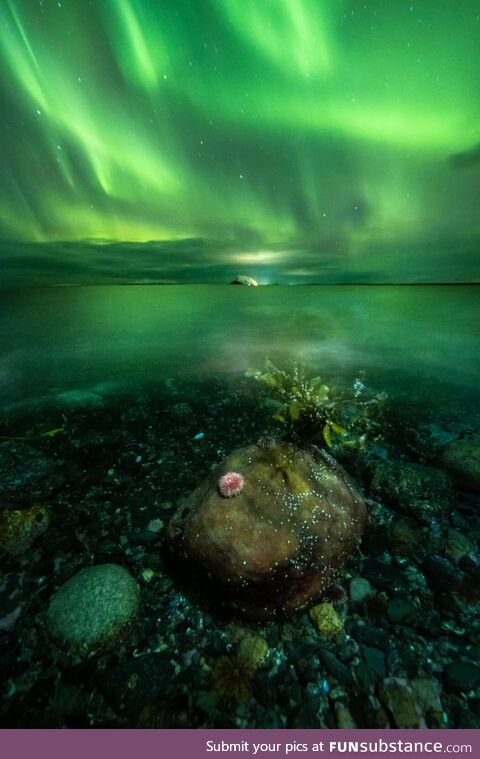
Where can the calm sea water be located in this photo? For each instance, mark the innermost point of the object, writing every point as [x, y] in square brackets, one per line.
[407, 339]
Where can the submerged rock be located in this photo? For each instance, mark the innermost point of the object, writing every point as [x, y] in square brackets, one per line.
[343, 717]
[94, 609]
[278, 543]
[326, 620]
[359, 590]
[26, 475]
[398, 696]
[20, 528]
[416, 489]
[462, 459]
[458, 545]
[78, 399]
[253, 649]
[428, 694]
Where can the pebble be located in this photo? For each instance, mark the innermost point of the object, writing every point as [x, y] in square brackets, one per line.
[344, 719]
[20, 528]
[428, 694]
[326, 620]
[253, 650]
[462, 458]
[458, 545]
[397, 695]
[155, 525]
[359, 589]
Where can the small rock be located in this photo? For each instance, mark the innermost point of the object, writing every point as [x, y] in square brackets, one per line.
[458, 545]
[462, 459]
[253, 650]
[397, 695]
[428, 693]
[93, 610]
[148, 575]
[20, 528]
[343, 717]
[339, 693]
[359, 589]
[326, 620]
[155, 525]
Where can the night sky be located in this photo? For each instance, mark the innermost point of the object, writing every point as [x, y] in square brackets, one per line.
[193, 140]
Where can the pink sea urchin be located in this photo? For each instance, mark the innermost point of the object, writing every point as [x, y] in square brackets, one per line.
[231, 484]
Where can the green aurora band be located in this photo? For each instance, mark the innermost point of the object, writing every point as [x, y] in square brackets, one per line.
[292, 139]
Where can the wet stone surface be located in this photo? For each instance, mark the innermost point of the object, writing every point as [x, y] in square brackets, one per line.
[413, 488]
[93, 610]
[278, 541]
[462, 459]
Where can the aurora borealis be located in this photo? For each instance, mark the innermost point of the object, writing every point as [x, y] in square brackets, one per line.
[293, 140]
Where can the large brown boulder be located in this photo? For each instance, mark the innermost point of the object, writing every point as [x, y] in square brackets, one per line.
[277, 543]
